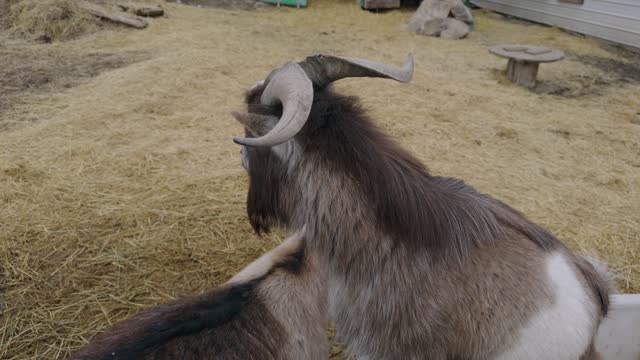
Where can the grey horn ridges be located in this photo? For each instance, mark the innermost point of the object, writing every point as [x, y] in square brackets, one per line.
[293, 84]
[325, 69]
[290, 87]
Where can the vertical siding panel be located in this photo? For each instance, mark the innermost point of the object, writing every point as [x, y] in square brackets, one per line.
[614, 20]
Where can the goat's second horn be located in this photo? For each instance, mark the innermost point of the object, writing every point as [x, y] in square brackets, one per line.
[290, 87]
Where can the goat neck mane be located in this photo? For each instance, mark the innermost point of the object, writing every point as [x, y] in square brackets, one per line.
[413, 207]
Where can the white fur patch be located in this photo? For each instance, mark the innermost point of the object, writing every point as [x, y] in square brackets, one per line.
[564, 330]
[264, 263]
[245, 157]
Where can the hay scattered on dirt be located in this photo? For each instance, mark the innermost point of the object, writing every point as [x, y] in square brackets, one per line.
[612, 72]
[51, 20]
[621, 69]
[127, 190]
[5, 11]
[48, 68]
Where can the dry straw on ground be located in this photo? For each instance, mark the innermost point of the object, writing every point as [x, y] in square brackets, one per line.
[51, 19]
[126, 191]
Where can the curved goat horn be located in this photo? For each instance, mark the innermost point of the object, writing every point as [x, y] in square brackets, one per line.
[325, 69]
[291, 87]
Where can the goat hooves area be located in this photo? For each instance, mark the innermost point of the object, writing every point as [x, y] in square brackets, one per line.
[524, 61]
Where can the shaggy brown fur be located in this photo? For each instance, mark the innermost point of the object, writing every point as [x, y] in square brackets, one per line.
[245, 320]
[441, 214]
[419, 265]
[596, 282]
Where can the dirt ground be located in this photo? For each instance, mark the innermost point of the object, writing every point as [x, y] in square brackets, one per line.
[121, 188]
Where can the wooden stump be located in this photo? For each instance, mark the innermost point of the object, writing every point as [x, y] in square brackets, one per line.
[119, 17]
[522, 72]
[524, 61]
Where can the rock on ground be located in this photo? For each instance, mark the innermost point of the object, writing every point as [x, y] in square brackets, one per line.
[433, 18]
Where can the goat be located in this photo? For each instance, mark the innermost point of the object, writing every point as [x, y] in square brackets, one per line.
[275, 308]
[419, 266]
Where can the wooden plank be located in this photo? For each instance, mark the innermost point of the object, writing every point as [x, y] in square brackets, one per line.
[119, 17]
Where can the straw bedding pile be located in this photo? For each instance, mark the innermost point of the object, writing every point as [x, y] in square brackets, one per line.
[51, 19]
[5, 9]
[126, 191]
[55, 20]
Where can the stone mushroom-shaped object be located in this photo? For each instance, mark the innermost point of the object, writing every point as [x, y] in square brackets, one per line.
[524, 60]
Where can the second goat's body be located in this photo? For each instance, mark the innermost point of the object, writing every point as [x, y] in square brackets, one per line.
[274, 309]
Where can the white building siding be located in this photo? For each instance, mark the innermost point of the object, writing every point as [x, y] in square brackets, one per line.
[614, 20]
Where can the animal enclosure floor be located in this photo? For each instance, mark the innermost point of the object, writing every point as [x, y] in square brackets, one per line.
[125, 190]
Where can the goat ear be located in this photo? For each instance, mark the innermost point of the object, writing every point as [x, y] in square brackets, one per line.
[257, 124]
